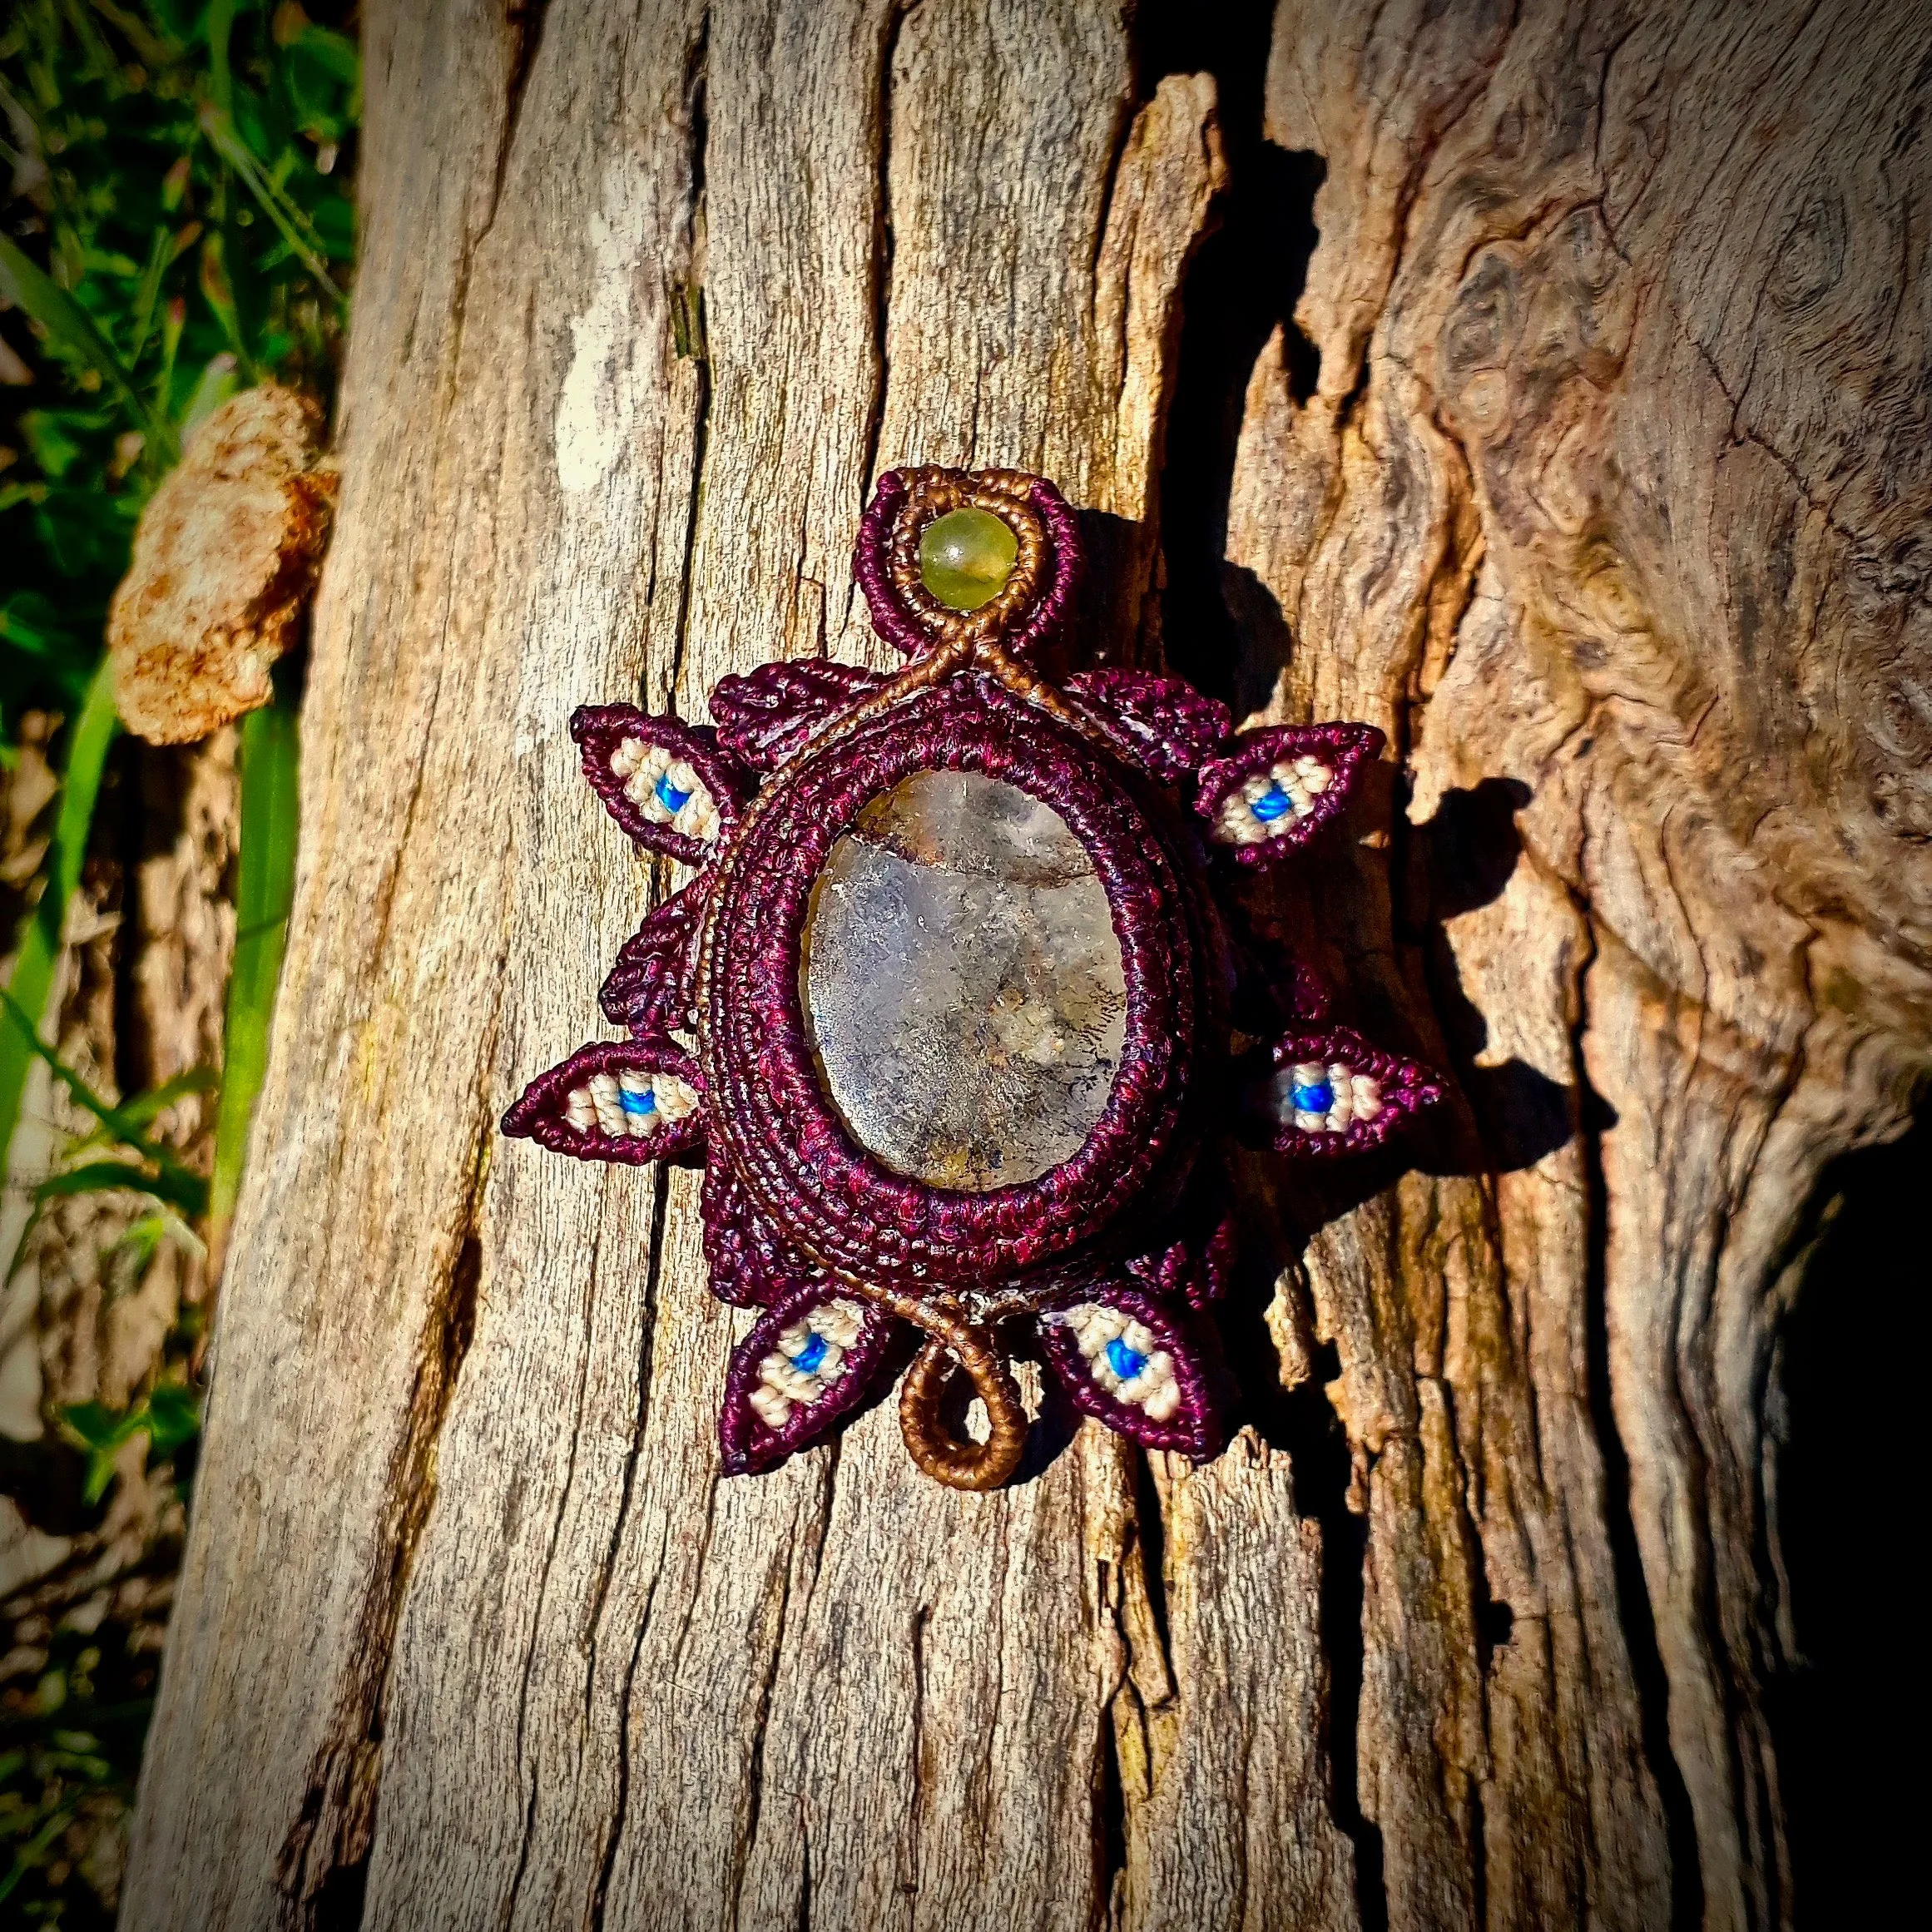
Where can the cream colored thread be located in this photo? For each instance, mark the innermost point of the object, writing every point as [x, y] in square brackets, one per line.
[1155, 1390]
[610, 1110]
[782, 1384]
[1356, 1095]
[676, 1100]
[599, 1104]
[1303, 780]
[640, 765]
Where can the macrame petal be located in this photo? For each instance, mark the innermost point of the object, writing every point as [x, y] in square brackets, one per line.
[1198, 1270]
[1331, 1093]
[1194, 1269]
[616, 1100]
[669, 784]
[1166, 727]
[649, 988]
[1278, 787]
[751, 1265]
[766, 715]
[809, 1360]
[1126, 1360]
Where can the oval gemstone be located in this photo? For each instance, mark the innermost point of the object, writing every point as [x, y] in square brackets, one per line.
[963, 991]
[966, 557]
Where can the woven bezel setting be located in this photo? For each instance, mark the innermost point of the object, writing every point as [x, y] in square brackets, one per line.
[1037, 591]
[1109, 1255]
[773, 1119]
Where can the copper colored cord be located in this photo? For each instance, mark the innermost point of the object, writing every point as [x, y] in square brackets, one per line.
[961, 1464]
[1003, 493]
[953, 1344]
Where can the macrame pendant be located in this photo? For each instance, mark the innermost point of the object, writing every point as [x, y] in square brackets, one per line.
[958, 985]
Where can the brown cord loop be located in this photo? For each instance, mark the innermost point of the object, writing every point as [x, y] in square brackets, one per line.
[962, 1464]
[953, 1344]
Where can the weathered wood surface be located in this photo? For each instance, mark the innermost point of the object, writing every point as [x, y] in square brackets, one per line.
[1604, 502]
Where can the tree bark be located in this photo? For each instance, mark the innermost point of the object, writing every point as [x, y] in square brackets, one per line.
[1588, 467]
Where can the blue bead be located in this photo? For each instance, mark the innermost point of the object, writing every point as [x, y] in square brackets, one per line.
[644, 1102]
[669, 796]
[1316, 1099]
[1125, 1362]
[808, 1358]
[1273, 803]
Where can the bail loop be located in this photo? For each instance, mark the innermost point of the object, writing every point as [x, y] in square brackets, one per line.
[959, 1461]
[953, 1344]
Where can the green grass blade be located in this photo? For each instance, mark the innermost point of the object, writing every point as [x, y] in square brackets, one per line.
[186, 1192]
[139, 1243]
[174, 320]
[303, 243]
[218, 24]
[104, 1110]
[218, 292]
[29, 287]
[338, 53]
[216, 383]
[160, 254]
[27, 1229]
[40, 938]
[29, 1854]
[270, 759]
[140, 1111]
[121, 1124]
[155, 49]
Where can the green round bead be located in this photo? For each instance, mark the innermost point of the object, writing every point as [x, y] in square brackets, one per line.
[966, 557]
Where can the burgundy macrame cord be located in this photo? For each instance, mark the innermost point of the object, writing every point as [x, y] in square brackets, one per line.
[841, 1252]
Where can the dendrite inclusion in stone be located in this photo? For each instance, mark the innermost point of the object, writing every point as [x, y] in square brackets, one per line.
[962, 983]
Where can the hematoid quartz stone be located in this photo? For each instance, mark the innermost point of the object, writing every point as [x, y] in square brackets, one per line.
[962, 986]
[947, 1009]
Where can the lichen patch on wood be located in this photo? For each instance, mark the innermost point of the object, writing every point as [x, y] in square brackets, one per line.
[224, 562]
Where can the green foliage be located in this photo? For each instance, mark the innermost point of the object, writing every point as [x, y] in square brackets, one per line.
[70, 1749]
[135, 1163]
[168, 1415]
[179, 225]
[179, 213]
[182, 231]
[265, 884]
[40, 939]
[120, 1124]
[68, 1754]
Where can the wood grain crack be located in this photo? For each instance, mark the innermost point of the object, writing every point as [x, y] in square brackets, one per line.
[878, 265]
[1635, 1614]
[515, 1884]
[320, 1867]
[696, 73]
[755, 1773]
[653, 1277]
[523, 19]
